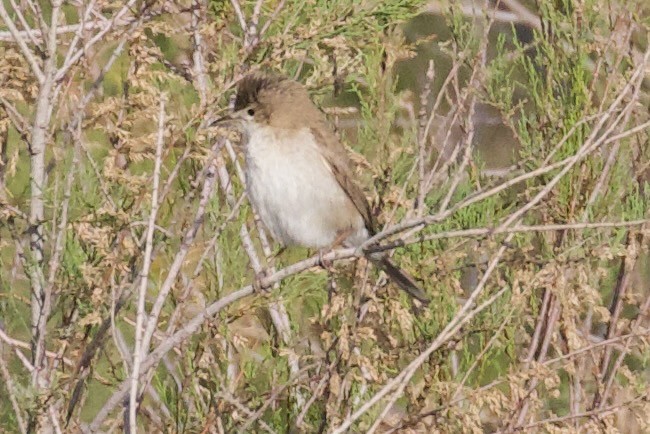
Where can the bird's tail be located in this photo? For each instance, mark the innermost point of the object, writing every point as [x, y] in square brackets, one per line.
[400, 277]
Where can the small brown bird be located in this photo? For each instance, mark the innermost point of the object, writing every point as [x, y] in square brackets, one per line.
[298, 173]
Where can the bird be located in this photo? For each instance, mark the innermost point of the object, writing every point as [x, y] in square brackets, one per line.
[298, 173]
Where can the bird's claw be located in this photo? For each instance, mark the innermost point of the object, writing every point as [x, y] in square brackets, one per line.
[326, 264]
[259, 283]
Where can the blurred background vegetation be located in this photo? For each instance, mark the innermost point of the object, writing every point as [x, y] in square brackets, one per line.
[508, 139]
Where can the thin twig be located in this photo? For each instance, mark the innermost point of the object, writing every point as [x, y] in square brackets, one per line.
[399, 382]
[188, 240]
[197, 53]
[11, 392]
[140, 351]
[27, 52]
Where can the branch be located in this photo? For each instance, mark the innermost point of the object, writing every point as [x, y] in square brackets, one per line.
[29, 56]
[11, 391]
[72, 58]
[399, 382]
[139, 350]
[188, 239]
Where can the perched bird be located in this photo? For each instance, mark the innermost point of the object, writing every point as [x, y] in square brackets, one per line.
[298, 174]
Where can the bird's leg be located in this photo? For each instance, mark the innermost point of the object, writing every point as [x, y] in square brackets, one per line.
[259, 285]
[326, 264]
[340, 237]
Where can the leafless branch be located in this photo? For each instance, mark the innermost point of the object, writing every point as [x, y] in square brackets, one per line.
[140, 351]
[398, 383]
[11, 392]
[25, 50]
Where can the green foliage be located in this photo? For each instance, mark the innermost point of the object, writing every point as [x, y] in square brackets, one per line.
[349, 331]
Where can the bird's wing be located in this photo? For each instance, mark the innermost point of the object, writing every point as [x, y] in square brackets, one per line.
[337, 159]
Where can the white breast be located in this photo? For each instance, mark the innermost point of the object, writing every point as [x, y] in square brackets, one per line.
[295, 193]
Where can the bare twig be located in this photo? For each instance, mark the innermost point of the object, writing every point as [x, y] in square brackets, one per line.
[41, 296]
[186, 243]
[423, 139]
[36, 34]
[597, 413]
[597, 138]
[140, 351]
[74, 56]
[242, 20]
[197, 54]
[512, 16]
[233, 401]
[399, 382]
[11, 392]
[23, 23]
[12, 342]
[27, 52]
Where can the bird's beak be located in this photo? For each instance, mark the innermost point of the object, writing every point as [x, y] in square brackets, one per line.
[229, 120]
[227, 124]
[222, 120]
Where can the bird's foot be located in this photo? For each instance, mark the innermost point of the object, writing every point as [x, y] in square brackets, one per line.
[326, 264]
[259, 282]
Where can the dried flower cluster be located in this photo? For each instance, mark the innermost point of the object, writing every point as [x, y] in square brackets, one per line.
[505, 149]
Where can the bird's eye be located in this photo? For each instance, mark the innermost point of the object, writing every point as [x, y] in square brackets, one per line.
[250, 112]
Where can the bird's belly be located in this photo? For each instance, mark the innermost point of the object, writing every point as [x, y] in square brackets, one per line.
[297, 197]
